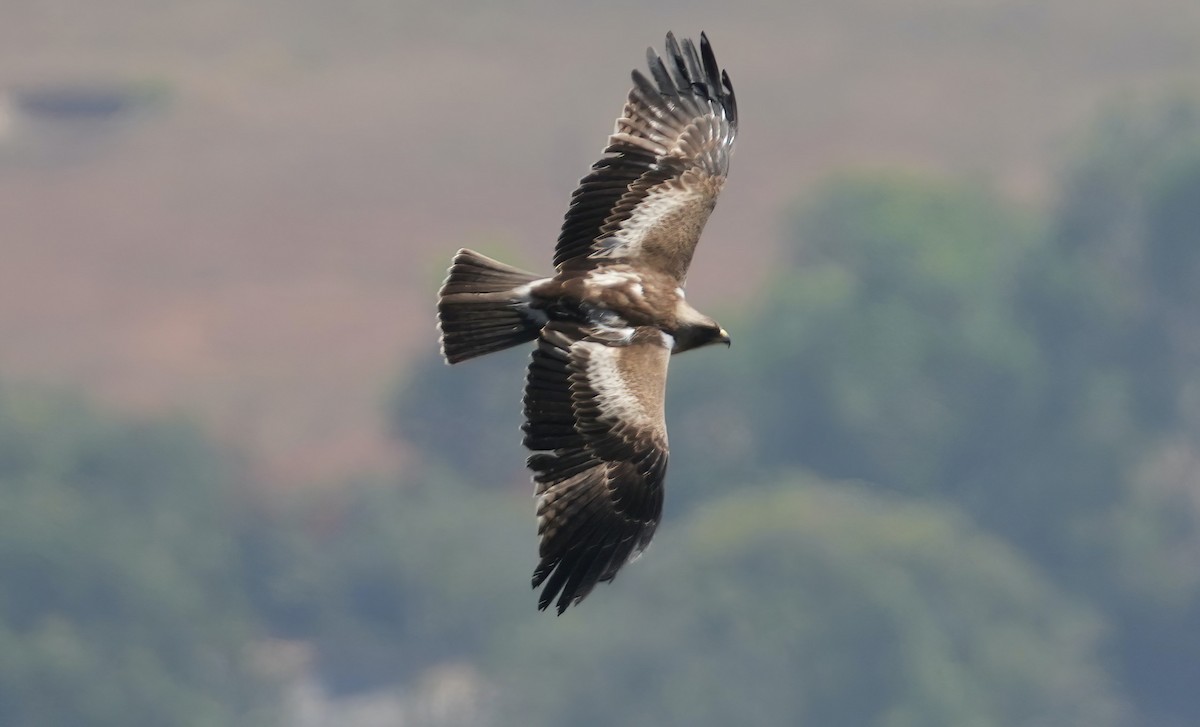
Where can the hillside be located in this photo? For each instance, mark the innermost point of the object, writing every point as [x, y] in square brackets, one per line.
[259, 237]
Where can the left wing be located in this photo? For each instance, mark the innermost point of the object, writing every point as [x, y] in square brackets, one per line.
[647, 200]
[594, 418]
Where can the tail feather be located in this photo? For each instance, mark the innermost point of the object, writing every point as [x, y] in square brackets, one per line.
[483, 307]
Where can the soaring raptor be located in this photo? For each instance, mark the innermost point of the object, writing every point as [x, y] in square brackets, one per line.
[608, 320]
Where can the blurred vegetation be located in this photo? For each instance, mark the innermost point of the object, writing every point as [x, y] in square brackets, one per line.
[438, 407]
[120, 601]
[1034, 372]
[820, 603]
[387, 581]
[949, 475]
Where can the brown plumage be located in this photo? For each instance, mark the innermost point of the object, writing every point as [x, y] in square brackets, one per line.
[607, 322]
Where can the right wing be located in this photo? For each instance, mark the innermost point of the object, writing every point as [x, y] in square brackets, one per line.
[594, 418]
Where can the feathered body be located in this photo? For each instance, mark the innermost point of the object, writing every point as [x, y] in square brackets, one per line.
[608, 320]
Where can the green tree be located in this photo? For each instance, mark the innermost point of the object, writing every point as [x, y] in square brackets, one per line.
[465, 419]
[386, 581]
[926, 338]
[120, 602]
[928, 341]
[885, 349]
[818, 604]
[1114, 297]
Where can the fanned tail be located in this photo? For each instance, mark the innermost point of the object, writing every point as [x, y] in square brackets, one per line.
[484, 306]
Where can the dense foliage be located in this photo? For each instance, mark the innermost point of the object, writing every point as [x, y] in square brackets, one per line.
[119, 582]
[947, 476]
[820, 603]
[1035, 374]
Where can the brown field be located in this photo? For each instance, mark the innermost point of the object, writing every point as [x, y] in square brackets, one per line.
[259, 239]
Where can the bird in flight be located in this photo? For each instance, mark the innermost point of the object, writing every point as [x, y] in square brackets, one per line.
[607, 321]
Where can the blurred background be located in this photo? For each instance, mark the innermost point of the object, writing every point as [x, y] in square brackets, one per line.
[948, 476]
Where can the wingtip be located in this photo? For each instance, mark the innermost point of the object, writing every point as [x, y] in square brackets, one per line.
[651, 56]
[545, 599]
[708, 59]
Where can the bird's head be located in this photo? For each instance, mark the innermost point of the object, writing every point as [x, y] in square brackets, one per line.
[696, 330]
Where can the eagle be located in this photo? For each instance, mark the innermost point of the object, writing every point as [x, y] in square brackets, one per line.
[608, 320]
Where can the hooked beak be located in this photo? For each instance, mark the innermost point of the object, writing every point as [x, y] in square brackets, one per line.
[723, 337]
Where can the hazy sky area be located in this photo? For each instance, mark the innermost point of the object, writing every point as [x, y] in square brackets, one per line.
[255, 228]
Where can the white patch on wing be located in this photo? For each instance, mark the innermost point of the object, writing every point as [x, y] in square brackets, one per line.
[602, 278]
[611, 278]
[604, 376]
[619, 398]
[661, 201]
